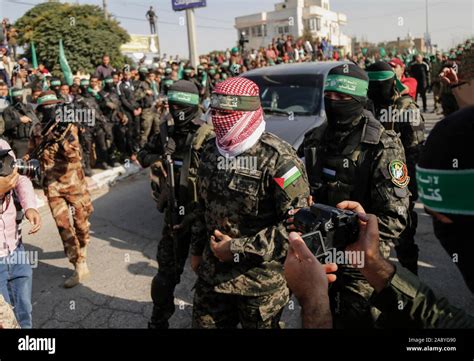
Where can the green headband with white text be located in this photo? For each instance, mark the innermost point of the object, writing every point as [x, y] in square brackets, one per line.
[183, 97]
[347, 85]
[446, 191]
[235, 102]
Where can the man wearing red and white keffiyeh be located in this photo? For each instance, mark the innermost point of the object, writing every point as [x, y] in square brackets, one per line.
[237, 116]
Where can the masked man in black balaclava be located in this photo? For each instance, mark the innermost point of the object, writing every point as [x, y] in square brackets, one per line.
[20, 119]
[181, 136]
[400, 113]
[352, 157]
[55, 85]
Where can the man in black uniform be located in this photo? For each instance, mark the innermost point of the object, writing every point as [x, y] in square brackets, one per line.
[401, 114]
[19, 119]
[132, 110]
[354, 157]
[420, 71]
[183, 141]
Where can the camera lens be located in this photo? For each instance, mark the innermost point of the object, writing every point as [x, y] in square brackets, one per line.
[30, 169]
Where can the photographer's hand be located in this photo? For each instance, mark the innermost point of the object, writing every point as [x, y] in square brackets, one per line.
[308, 279]
[33, 216]
[9, 182]
[449, 76]
[377, 270]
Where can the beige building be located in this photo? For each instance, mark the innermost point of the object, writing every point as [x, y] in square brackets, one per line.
[291, 17]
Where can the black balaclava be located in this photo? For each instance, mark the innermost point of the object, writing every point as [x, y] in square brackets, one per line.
[84, 85]
[381, 85]
[183, 98]
[142, 74]
[55, 85]
[351, 80]
[109, 84]
[445, 176]
[16, 96]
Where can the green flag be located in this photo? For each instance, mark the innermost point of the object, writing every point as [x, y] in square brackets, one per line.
[364, 51]
[34, 60]
[64, 65]
[382, 51]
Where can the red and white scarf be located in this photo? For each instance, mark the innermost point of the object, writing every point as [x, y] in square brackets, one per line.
[237, 131]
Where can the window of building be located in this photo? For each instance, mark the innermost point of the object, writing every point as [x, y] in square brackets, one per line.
[314, 24]
[318, 23]
[281, 30]
[259, 30]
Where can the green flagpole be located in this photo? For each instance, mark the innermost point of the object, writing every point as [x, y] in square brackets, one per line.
[64, 64]
[34, 59]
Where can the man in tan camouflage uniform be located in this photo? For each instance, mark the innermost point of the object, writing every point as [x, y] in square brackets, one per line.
[66, 188]
[353, 157]
[248, 180]
[401, 114]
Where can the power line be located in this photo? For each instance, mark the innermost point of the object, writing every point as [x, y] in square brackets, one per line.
[172, 23]
[135, 19]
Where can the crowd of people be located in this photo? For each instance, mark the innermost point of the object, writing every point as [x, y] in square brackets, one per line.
[236, 223]
[127, 103]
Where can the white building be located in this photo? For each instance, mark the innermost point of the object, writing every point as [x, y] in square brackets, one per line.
[290, 18]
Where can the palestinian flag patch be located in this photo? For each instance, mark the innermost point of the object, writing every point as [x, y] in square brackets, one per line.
[288, 178]
[399, 173]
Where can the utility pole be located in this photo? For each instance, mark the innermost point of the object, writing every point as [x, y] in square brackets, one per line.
[193, 57]
[427, 29]
[427, 36]
[104, 5]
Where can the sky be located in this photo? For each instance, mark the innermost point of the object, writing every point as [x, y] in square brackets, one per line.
[450, 21]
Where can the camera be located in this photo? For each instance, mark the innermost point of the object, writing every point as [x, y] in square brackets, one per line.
[325, 227]
[30, 168]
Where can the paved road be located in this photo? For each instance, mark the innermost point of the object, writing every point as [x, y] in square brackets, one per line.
[126, 228]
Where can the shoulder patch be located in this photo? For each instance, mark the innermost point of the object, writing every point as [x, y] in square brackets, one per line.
[398, 173]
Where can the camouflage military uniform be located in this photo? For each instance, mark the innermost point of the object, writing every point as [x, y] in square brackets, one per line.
[66, 190]
[411, 130]
[7, 316]
[359, 165]
[249, 204]
[171, 265]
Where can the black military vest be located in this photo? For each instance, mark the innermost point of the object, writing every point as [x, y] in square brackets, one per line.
[345, 174]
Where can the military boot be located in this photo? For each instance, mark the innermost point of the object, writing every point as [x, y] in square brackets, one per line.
[81, 272]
